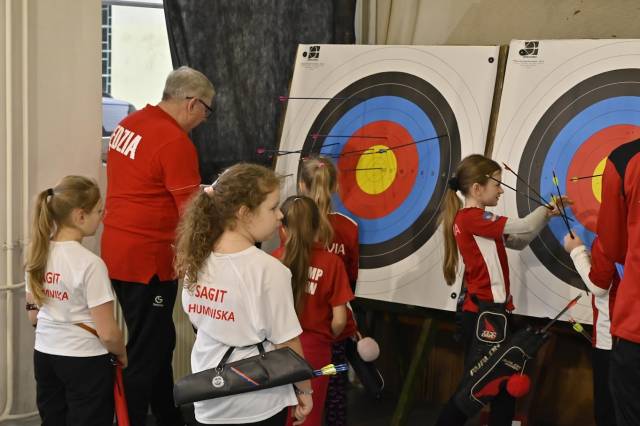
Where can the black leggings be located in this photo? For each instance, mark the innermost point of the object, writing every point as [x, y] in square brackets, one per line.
[602, 401]
[503, 406]
[624, 377]
[148, 380]
[74, 391]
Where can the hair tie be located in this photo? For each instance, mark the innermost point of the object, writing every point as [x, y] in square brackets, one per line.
[321, 165]
[209, 190]
[453, 183]
[50, 192]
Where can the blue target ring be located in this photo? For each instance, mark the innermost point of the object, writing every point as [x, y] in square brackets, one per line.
[605, 100]
[419, 108]
[606, 113]
[419, 126]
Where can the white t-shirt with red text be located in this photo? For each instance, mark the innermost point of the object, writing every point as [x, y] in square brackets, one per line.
[75, 281]
[240, 300]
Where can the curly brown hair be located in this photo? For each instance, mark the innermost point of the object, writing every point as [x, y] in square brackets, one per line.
[211, 212]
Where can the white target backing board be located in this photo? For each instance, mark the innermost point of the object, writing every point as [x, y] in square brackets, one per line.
[565, 105]
[396, 120]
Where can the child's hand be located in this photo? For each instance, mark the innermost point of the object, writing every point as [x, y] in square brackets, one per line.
[302, 410]
[571, 243]
[555, 203]
[123, 360]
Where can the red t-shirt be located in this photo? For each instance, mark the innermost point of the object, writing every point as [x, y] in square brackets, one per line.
[345, 244]
[152, 170]
[619, 233]
[328, 286]
[479, 235]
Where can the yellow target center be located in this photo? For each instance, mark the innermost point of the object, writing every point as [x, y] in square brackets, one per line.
[376, 169]
[596, 182]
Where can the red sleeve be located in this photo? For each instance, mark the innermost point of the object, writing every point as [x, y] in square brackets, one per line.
[612, 219]
[603, 271]
[481, 223]
[277, 253]
[341, 293]
[178, 162]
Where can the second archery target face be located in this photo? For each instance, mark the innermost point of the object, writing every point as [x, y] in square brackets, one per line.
[563, 110]
[396, 120]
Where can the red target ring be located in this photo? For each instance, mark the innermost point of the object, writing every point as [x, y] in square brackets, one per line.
[588, 161]
[399, 165]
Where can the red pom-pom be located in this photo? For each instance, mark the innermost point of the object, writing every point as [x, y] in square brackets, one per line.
[518, 385]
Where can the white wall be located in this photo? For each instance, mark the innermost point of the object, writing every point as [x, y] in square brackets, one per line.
[62, 129]
[489, 22]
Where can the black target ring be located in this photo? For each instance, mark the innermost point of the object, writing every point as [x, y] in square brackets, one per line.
[611, 84]
[428, 99]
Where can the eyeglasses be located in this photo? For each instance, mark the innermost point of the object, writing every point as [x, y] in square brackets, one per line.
[207, 107]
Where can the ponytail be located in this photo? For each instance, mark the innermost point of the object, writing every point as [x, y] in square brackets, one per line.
[53, 207]
[448, 213]
[319, 177]
[301, 219]
[197, 232]
[474, 168]
[214, 210]
[38, 253]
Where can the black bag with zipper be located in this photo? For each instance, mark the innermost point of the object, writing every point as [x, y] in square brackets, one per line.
[265, 370]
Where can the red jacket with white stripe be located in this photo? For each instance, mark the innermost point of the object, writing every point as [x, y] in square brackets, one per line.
[603, 274]
[479, 236]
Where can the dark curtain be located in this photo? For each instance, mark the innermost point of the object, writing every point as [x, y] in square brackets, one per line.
[247, 49]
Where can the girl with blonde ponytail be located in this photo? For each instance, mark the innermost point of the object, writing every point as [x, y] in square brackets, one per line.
[320, 287]
[70, 302]
[480, 238]
[318, 179]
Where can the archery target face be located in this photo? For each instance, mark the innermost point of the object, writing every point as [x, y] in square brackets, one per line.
[395, 120]
[563, 110]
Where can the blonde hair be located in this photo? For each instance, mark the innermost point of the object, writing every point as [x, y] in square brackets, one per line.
[214, 210]
[320, 179]
[301, 219]
[186, 82]
[472, 169]
[53, 209]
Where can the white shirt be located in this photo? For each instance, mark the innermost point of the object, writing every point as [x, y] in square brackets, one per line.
[600, 299]
[75, 281]
[240, 300]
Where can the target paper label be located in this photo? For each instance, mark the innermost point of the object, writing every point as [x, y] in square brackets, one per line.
[562, 111]
[396, 120]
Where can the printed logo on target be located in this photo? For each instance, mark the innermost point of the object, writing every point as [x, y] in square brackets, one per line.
[530, 49]
[312, 53]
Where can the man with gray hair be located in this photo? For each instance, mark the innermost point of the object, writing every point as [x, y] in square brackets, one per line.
[152, 171]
